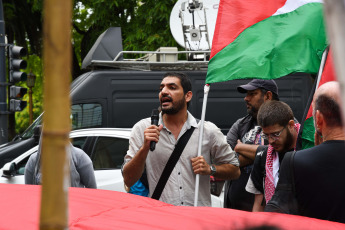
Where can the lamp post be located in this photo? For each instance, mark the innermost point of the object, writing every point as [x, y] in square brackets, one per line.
[30, 82]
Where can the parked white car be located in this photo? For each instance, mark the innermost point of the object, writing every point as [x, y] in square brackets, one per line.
[106, 148]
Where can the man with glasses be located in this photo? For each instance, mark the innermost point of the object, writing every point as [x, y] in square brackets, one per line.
[280, 130]
[318, 172]
[244, 137]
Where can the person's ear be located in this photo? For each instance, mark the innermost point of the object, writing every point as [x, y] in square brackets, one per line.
[291, 125]
[268, 96]
[319, 120]
[188, 96]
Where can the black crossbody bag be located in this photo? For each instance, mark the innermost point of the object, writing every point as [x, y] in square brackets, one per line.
[179, 147]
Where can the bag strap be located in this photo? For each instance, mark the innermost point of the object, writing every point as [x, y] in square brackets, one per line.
[294, 203]
[174, 157]
[292, 173]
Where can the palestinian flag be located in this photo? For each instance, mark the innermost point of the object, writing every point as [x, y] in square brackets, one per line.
[307, 131]
[266, 39]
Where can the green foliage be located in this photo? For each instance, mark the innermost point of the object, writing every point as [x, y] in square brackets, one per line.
[144, 25]
[150, 26]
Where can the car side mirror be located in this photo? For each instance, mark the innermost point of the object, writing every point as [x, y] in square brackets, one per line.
[9, 169]
[17, 137]
[37, 133]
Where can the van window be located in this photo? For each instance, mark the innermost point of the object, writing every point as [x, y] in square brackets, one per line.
[86, 116]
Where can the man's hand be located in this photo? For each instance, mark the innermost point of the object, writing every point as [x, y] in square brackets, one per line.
[238, 146]
[200, 166]
[133, 170]
[151, 133]
[246, 153]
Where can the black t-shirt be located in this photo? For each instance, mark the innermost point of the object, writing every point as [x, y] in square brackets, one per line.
[320, 181]
[258, 173]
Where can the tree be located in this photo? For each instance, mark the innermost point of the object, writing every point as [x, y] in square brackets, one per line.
[144, 25]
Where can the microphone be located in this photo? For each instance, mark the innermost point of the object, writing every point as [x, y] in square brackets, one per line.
[154, 121]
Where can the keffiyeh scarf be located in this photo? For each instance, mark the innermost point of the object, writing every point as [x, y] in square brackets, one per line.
[272, 158]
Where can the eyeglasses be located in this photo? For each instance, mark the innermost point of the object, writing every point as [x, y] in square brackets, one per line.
[274, 136]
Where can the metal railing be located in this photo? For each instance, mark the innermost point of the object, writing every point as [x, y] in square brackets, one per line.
[153, 60]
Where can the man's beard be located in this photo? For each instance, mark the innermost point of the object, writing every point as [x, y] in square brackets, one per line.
[175, 108]
[288, 142]
[253, 111]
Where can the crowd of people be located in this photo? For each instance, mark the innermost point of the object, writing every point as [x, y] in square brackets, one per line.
[258, 158]
[252, 158]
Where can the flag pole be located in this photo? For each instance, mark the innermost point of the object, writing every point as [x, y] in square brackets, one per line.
[334, 12]
[203, 112]
[302, 141]
[322, 66]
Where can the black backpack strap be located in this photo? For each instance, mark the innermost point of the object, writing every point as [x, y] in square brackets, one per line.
[292, 173]
[284, 199]
[174, 157]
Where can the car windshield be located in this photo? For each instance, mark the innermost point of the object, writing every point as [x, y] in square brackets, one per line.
[29, 132]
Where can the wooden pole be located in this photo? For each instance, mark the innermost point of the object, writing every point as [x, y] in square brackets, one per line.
[56, 120]
[334, 12]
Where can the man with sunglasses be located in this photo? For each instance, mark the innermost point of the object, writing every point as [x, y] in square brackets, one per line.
[244, 138]
[280, 130]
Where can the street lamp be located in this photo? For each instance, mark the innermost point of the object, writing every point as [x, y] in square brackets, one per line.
[30, 82]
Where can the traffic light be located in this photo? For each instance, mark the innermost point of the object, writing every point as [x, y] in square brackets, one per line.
[16, 63]
[17, 92]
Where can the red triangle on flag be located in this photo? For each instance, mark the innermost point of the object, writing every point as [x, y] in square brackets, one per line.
[328, 74]
[228, 25]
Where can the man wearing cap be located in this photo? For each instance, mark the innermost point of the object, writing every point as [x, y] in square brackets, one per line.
[244, 137]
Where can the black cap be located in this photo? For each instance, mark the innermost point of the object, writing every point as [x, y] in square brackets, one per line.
[269, 85]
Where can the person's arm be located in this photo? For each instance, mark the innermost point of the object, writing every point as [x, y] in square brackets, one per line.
[246, 153]
[255, 182]
[223, 157]
[223, 171]
[133, 170]
[85, 169]
[30, 170]
[227, 172]
[251, 188]
[232, 136]
[258, 207]
[244, 160]
[247, 150]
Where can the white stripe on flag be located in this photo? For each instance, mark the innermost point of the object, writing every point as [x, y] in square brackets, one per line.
[291, 5]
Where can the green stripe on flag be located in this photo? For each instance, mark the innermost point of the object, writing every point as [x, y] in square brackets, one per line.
[274, 47]
[308, 133]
